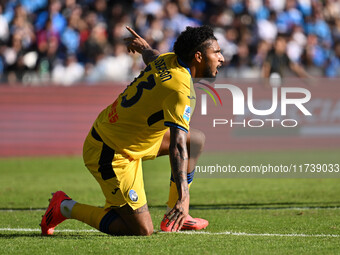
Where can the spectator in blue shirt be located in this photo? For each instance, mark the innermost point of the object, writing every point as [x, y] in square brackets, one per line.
[58, 20]
[290, 17]
[70, 38]
[333, 68]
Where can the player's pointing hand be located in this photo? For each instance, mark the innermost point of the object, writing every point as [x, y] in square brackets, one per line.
[135, 43]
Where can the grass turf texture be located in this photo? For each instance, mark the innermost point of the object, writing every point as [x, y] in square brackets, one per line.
[258, 206]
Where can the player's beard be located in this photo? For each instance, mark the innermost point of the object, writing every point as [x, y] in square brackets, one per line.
[208, 73]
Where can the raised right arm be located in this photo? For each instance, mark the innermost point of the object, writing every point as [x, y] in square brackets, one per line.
[136, 43]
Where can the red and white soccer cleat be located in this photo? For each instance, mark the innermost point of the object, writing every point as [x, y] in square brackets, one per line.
[194, 223]
[189, 224]
[53, 216]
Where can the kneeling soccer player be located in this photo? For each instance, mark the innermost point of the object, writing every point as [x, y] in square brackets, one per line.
[149, 119]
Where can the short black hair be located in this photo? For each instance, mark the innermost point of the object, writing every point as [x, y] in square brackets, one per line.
[191, 40]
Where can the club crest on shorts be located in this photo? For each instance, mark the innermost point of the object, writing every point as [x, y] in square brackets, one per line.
[133, 195]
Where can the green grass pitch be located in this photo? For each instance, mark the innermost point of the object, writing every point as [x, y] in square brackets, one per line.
[247, 216]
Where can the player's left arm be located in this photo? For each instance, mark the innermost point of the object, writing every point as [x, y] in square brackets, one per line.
[136, 43]
[179, 159]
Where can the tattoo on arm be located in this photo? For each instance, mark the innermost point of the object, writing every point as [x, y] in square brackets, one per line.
[183, 158]
[182, 179]
[179, 160]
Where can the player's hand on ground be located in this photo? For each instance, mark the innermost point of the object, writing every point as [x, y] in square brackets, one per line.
[178, 214]
[135, 43]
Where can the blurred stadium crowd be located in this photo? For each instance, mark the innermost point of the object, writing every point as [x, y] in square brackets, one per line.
[67, 41]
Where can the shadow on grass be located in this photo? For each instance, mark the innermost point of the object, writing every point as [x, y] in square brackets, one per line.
[267, 206]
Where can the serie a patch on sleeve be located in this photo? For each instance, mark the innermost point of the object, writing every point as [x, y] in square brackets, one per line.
[186, 114]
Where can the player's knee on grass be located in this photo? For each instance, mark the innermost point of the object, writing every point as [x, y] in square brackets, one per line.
[118, 227]
[140, 221]
[136, 222]
[144, 230]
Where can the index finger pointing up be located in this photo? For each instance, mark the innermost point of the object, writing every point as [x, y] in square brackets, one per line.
[133, 32]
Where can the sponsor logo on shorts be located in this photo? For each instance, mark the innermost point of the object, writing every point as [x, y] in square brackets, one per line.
[133, 195]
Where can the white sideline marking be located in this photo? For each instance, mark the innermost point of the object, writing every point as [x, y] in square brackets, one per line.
[252, 234]
[181, 232]
[39, 230]
[231, 208]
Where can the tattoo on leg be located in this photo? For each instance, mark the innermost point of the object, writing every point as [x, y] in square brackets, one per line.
[140, 210]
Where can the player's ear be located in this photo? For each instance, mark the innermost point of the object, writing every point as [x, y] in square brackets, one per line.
[198, 56]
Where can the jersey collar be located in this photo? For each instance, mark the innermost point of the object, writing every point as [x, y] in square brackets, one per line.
[183, 64]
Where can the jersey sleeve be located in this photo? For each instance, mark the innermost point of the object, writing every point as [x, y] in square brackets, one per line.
[177, 111]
